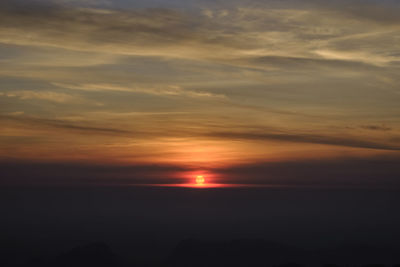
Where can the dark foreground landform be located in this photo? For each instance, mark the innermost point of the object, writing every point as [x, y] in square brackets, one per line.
[201, 253]
[166, 227]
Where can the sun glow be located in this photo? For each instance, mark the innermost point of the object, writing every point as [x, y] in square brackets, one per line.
[200, 180]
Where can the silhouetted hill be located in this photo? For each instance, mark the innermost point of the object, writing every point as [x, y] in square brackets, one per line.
[242, 252]
[202, 253]
[13, 253]
[96, 254]
[359, 255]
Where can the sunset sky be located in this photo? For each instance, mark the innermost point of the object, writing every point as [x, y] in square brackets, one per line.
[241, 92]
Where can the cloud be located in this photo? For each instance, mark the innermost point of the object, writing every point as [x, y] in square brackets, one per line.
[300, 67]
[356, 57]
[252, 132]
[43, 95]
[298, 137]
[131, 32]
[171, 90]
[72, 173]
[241, 32]
[51, 96]
[368, 172]
[63, 124]
[376, 127]
[15, 113]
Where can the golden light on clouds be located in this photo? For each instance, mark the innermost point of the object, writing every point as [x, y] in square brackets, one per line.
[201, 86]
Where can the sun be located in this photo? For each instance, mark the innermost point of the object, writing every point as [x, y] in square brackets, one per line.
[199, 179]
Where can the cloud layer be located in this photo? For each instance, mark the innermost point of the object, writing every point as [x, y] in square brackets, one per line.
[199, 83]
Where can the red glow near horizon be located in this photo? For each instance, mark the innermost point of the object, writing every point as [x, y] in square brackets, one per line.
[198, 180]
[210, 186]
[203, 180]
[193, 185]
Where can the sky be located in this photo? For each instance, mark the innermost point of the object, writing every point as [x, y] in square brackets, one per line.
[294, 93]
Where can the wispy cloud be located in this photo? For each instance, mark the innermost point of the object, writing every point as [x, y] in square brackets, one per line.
[298, 137]
[170, 90]
[72, 173]
[266, 135]
[238, 33]
[376, 127]
[43, 95]
[63, 124]
[352, 172]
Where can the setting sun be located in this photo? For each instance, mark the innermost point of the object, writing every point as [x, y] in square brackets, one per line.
[199, 179]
